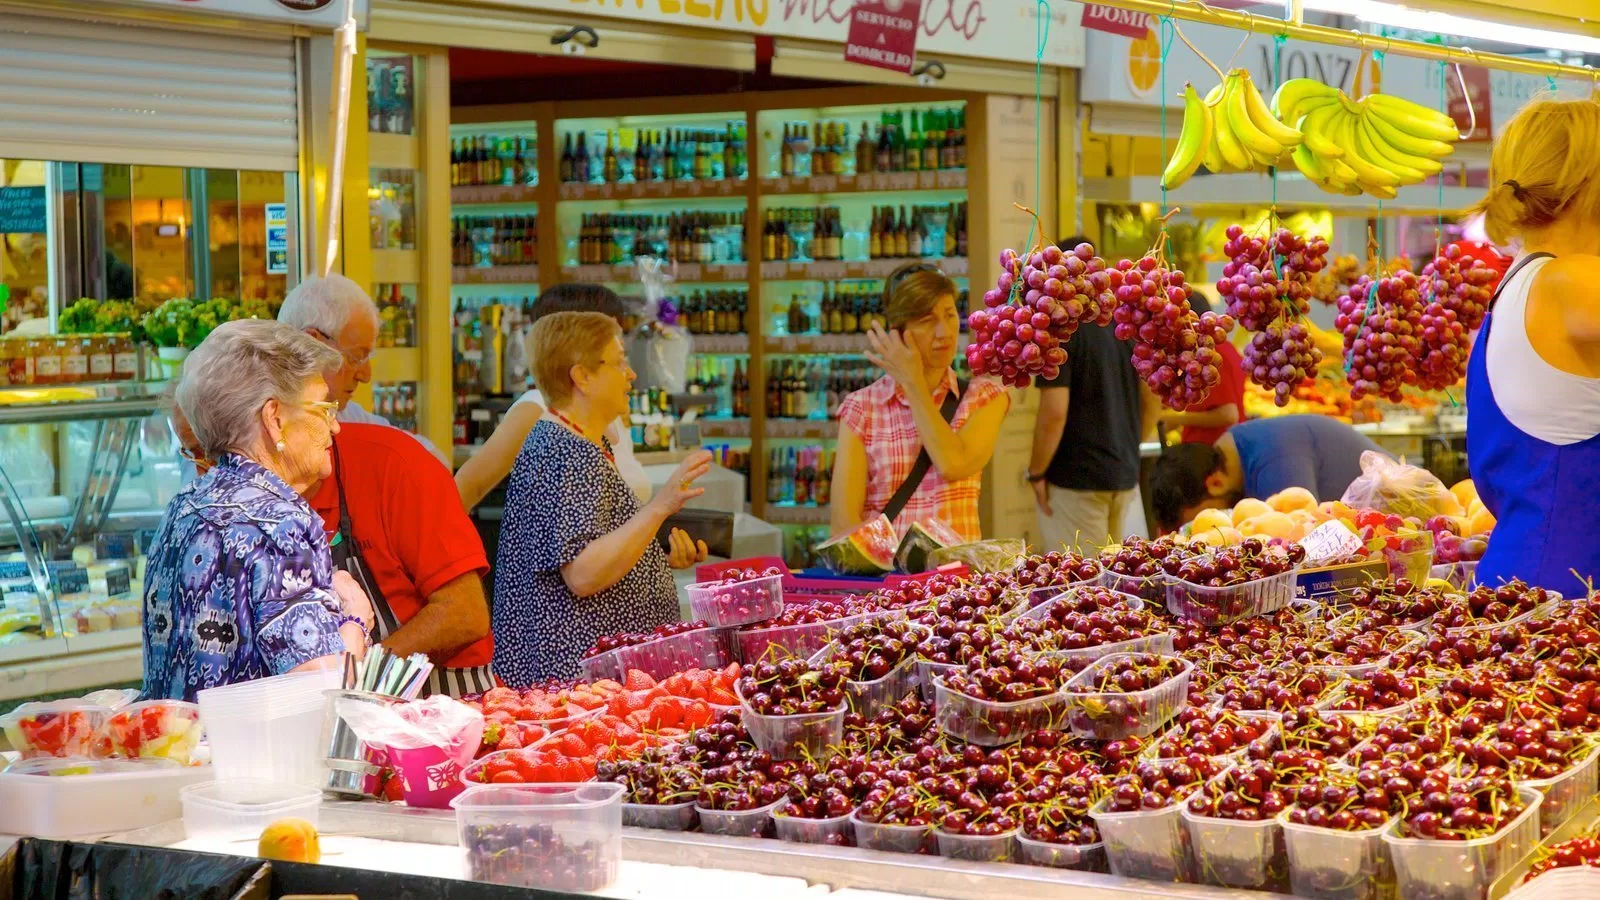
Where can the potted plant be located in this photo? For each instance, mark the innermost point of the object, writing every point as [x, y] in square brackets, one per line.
[169, 326]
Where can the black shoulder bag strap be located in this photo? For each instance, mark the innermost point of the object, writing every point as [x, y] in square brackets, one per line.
[919, 469]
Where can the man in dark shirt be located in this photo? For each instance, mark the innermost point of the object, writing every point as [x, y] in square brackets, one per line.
[1085, 463]
[1258, 458]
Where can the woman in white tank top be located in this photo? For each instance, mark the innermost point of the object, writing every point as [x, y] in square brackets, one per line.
[1553, 405]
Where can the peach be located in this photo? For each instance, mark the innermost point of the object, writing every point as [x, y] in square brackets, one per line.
[291, 840]
[1482, 522]
[1248, 508]
[1268, 524]
[1465, 491]
[1224, 536]
[1292, 498]
[1207, 519]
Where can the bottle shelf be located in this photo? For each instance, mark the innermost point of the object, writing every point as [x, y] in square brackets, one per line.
[788, 514]
[843, 269]
[817, 343]
[720, 343]
[866, 182]
[725, 428]
[802, 429]
[494, 274]
[653, 190]
[683, 273]
[489, 194]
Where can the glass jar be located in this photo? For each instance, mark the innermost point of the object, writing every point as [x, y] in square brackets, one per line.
[74, 359]
[102, 359]
[125, 357]
[47, 360]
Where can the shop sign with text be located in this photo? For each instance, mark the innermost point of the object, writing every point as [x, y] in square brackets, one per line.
[1126, 70]
[981, 29]
[884, 34]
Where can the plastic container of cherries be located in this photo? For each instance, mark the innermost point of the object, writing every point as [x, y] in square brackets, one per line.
[1566, 793]
[801, 735]
[1102, 715]
[1236, 853]
[893, 838]
[867, 697]
[1152, 844]
[1157, 642]
[801, 640]
[1082, 857]
[836, 831]
[977, 847]
[1152, 588]
[665, 817]
[557, 837]
[1332, 864]
[728, 603]
[990, 723]
[755, 822]
[1446, 870]
[1212, 606]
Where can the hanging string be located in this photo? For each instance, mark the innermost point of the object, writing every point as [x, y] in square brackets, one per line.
[1378, 56]
[1169, 33]
[1041, 23]
[1277, 79]
[1438, 222]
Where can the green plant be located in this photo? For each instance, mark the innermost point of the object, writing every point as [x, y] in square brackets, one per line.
[171, 323]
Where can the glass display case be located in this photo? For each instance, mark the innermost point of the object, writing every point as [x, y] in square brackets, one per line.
[86, 471]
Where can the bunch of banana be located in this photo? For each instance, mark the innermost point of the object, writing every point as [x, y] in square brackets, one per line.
[1372, 145]
[1230, 130]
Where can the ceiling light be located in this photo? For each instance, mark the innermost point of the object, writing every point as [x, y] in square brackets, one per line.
[1395, 15]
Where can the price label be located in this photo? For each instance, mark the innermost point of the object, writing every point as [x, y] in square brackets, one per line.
[1330, 540]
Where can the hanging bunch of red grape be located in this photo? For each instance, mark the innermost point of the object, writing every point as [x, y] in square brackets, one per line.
[1462, 284]
[1174, 350]
[1381, 322]
[1038, 302]
[1267, 283]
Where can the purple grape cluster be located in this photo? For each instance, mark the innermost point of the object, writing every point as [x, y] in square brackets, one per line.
[1268, 279]
[1302, 259]
[1174, 350]
[1461, 284]
[1443, 343]
[1017, 338]
[1380, 343]
[1280, 357]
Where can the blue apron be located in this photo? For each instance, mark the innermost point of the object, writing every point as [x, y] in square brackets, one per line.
[1541, 495]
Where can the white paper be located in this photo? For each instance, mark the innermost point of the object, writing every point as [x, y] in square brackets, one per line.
[1330, 540]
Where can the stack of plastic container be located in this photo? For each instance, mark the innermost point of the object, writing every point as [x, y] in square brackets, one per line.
[269, 729]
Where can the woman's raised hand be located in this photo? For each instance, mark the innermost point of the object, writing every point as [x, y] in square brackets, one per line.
[680, 488]
[686, 551]
[895, 357]
[352, 599]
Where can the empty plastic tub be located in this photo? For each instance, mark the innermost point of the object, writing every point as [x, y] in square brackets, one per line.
[239, 809]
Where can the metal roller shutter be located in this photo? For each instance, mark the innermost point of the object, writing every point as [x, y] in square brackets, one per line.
[96, 90]
[439, 24]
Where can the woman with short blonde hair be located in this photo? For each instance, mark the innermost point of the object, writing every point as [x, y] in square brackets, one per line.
[578, 556]
[240, 584]
[1533, 380]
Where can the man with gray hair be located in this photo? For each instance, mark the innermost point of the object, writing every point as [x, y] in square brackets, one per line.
[335, 310]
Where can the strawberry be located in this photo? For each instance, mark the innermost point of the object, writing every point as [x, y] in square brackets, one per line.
[637, 700]
[638, 681]
[606, 686]
[722, 697]
[618, 705]
[499, 695]
[573, 744]
[731, 673]
[511, 739]
[666, 712]
[639, 719]
[697, 714]
[393, 787]
[492, 733]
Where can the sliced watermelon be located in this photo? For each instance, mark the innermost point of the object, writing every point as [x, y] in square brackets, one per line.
[866, 550]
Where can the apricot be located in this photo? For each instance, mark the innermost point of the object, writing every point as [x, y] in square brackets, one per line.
[1224, 536]
[291, 840]
[1248, 508]
[1465, 491]
[1268, 524]
[1207, 519]
[1292, 498]
[1482, 522]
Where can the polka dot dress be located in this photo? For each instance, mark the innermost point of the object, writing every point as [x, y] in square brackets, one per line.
[564, 494]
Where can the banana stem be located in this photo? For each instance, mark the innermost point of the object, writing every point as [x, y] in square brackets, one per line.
[1203, 58]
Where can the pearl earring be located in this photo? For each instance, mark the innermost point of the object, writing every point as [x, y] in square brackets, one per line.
[282, 446]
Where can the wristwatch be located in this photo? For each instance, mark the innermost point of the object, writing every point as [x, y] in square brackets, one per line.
[1035, 479]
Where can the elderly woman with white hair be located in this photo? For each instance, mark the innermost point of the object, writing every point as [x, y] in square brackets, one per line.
[240, 584]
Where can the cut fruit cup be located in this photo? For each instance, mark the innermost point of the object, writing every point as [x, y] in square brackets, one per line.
[703, 648]
[740, 603]
[556, 837]
[977, 847]
[1329, 864]
[666, 817]
[1152, 589]
[1233, 853]
[893, 838]
[991, 724]
[1152, 844]
[1083, 857]
[1211, 606]
[156, 729]
[1114, 715]
[1445, 870]
[802, 735]
[867, 697]
[58, 728]
[1566, 793]
[836, 831]
[739, 822]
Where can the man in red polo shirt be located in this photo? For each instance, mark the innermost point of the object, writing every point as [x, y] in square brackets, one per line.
[395, 522]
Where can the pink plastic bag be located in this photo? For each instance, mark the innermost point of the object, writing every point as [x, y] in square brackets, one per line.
[428, 741]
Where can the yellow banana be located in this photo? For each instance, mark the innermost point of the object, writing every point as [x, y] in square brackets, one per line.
[1382, 192]
[1408, 143]
[1367, 173]
[1312, 169]
[1262, 117]
[1256, 143]
[1339, 172]
[1317, 125]
[1373, 154]
[1291, 95]
[1391, 157]
[1234, 156]
[1413, 119]
[1192, 140]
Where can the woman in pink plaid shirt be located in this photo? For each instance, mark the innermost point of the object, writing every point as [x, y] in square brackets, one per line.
[917, 405]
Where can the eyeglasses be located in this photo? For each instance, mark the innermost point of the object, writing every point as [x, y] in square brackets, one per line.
[201, 462]
[328, 408]
[349, 357]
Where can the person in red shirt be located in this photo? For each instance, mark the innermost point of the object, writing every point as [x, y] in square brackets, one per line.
[395, 522]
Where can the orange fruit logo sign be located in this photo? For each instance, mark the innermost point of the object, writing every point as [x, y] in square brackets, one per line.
[1144, 63]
